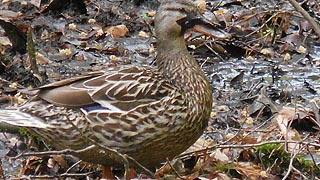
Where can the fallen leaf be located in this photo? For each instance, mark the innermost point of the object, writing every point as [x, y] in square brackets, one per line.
[117, 31]
[113, 58]
[8, 14]
[91, 21]
[72, 26]
[143, 34]
[41, 59]
[301, 50]
[287, 57]
[36, 3]
[283, 119]
[151, 13]
[220, 156]
[4, 41]
[249, 170]
[267, 52]
[65, 52]
[201, 4]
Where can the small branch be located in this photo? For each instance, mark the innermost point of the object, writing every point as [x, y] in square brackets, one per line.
[151, 174]
[174, 170]
[47, 153]
[290, 168]
[249, 146]
[64, 175]
[32, 55]
[306, 15]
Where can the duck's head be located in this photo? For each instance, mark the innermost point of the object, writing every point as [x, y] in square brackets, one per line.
[175, 17]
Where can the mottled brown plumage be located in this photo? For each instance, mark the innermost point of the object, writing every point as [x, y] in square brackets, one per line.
[148, 113]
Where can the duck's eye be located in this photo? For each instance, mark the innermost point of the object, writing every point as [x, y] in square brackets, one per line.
[182, 10]
[189, 21]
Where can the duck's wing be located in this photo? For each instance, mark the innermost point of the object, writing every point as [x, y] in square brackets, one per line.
[118, 89]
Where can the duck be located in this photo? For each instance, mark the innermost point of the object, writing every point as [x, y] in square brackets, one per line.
[151, 114]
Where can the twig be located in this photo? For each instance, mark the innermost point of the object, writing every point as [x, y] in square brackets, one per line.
[140, 166]
[213, 51]
[306, 15]
[300, 173]
[32, 55]
[73, 165]
[249, 146]
[47, 153]
[64, 175]
[315, 109]
[291, 164]
[174, 170]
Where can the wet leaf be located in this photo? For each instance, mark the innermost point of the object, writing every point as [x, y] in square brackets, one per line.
[16, 36]
[8, 14]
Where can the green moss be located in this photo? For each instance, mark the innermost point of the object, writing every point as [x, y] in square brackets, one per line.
[30, 135]
[274, 157]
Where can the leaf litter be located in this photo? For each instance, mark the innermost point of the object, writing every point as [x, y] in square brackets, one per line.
[265, 121]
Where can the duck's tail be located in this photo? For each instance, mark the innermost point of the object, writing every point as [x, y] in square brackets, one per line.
[17, 118]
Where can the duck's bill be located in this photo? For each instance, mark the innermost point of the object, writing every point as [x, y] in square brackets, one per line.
[212, 31]
[199, 23]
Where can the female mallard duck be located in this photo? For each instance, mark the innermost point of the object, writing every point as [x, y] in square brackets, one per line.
[150, 114]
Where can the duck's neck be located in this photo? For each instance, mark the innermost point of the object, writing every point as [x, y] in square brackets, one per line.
[182, 70]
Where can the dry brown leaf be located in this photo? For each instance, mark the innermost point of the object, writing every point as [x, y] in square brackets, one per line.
[301, 50]
[248, 139]
[117, 31]
[61, 161]
[152, 50]
[72, 26]
[250, 170]
[220, 156]
[222, 176]
[287, 57]
[152, 13]
[30, 160]
[65, 52]
[283, 119]
[249, 58]
[1, 171]
[201, 4]
[113, 58]
[36, 3]
[80, 57]
[201, 144]
[41, 59]
[5, 41]
[143, 34]
[267, 52]
[91, 21]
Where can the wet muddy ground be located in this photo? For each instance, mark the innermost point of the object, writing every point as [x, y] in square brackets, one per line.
[272, 61]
